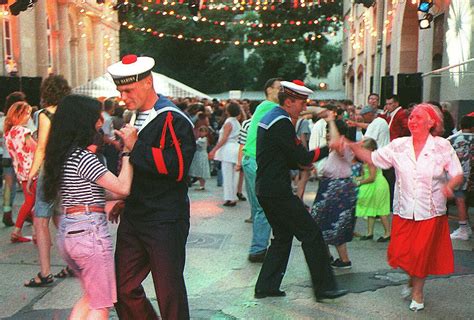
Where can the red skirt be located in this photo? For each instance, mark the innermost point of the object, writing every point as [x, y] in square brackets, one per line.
[421, 248]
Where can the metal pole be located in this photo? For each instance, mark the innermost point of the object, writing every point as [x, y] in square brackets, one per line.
[378, 53]
[447, 68]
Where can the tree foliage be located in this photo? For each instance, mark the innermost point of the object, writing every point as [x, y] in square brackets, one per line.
[212, 67]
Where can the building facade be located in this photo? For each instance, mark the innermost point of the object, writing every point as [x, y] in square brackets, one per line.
[75, 38]
[417, 64]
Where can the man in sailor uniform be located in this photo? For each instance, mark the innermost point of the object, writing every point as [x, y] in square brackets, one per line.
[154, 225]
[278, 151]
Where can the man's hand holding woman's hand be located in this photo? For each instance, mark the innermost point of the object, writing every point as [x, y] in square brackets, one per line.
[129, 136]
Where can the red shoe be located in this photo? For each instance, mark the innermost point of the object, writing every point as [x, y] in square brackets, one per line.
[15, 238]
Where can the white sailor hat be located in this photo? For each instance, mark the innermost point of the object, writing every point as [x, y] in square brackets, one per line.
[295, 89]
[131, 69]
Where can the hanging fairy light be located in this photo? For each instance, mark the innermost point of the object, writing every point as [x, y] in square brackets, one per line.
[199, 39]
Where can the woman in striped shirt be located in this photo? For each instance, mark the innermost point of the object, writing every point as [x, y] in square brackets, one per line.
[74, 175]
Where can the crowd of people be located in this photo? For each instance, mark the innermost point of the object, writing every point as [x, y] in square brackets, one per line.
[144, 150]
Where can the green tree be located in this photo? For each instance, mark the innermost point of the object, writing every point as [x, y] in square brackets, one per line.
[212, 67]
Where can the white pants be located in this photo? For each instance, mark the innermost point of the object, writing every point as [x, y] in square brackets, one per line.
[230, 179]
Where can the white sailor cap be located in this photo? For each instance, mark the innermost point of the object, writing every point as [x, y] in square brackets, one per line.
[131, 69]
[295, 89]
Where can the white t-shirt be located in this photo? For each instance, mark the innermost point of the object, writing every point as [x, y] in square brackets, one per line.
[317, 139]
[379, 131]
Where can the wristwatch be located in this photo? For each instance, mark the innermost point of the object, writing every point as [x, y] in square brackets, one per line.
[125, 154]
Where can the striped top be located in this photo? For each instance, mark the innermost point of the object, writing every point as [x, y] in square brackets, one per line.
[243, 131]
[141, 117]
[80, 172]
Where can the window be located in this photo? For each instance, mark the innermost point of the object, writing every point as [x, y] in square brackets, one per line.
[7, 38]
[50, 54]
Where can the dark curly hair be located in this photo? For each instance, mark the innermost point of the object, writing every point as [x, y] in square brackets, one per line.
[53, 89]
[73, 126]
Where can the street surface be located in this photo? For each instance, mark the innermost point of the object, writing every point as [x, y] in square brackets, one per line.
[220, 280]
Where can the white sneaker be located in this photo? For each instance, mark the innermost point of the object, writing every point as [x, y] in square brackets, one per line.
[461, 233]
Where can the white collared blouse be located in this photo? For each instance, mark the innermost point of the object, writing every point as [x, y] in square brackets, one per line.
[419, 182]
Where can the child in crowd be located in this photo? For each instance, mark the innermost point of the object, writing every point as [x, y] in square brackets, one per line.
[200, 166]
[374, 196]
[463, 144]
[21, 146]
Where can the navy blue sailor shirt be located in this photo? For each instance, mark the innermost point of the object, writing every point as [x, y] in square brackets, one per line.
[278, 151]
[161, 159]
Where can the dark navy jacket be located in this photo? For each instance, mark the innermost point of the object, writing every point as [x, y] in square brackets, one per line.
[161, 158]
[278, 151]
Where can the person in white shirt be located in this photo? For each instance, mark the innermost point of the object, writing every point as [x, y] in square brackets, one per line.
[317, 138]
[420, 243]
[377, 128]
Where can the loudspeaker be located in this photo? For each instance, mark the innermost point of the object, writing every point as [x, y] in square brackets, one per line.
[386, 89]
[7, 86]
[410, 88]
[31, 87]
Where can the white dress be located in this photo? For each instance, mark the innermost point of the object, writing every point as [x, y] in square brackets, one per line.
[229, 152]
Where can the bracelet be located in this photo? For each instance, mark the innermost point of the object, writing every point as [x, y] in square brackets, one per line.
[125, 154]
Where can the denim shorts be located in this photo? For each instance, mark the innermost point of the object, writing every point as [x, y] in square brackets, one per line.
[460, 194]
[85, 244]
[43, 209]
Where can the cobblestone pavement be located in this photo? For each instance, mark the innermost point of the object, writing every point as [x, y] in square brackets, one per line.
[220, 280]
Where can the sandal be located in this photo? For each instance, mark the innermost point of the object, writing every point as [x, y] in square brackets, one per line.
[44, 281]
[64, 273]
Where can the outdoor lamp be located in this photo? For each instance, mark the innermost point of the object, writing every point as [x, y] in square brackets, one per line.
[21, 5]
[425, 5]
[425, 23]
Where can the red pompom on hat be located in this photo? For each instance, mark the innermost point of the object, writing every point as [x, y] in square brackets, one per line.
[298, 82]
[129, 58]
[131, 69]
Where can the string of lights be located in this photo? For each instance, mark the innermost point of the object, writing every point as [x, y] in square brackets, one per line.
[249, 41]
[252, 24]
[243, 5]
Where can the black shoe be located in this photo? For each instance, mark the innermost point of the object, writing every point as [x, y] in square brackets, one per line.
[7, 219]
[331, 294]
[273, 293]
[339, 264]
[367, 237]
[241, 197]
[258, 257]
[383, 239]
[229, 203]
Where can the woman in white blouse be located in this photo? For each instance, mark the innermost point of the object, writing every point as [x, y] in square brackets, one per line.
[226, 151]
[427, 171]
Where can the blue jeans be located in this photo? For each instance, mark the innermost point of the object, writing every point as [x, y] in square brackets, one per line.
[261, 227]
[9, 198]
